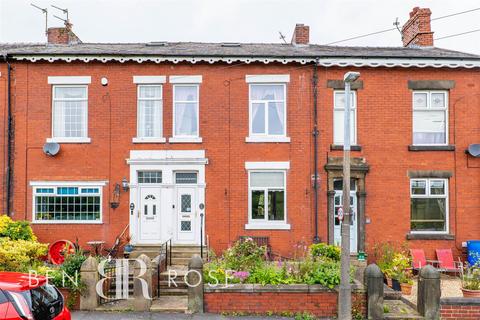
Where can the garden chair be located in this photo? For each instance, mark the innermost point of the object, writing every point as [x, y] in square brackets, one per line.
[446, 262]
[419, 260]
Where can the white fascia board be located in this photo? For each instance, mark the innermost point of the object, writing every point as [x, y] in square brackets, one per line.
[185, 79]
[267, 78]
[99, 183]
[272, 165]
[70, 80]
[149, 79]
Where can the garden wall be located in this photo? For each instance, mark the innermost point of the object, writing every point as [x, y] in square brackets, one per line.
[279, 299]
[460, 308]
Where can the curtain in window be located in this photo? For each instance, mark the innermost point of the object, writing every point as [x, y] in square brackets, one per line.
[186, 111]
[150, 112]
[70, 112]
[429, 127]
[273, 98]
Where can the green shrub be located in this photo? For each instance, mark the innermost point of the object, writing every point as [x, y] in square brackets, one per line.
[16, 230]
[324, 250]
[20, 255]
[326, 273]
[270, 274]
[244, 255]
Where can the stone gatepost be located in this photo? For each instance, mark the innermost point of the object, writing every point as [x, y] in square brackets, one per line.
[90, 277]
[374, 284]
[142, 284]
[428, 296]
[195, 284]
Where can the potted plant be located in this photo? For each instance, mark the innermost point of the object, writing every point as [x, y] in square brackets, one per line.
[128, 248]
[471, 282]
[406, 282]
[400, 264]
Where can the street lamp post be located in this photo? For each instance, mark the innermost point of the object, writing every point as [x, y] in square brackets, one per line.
[345, 292]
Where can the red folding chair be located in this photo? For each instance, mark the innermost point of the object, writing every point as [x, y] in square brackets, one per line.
[446, 262]
[419, 260]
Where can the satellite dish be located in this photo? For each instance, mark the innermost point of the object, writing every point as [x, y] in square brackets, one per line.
[51, 148]
[474, 150]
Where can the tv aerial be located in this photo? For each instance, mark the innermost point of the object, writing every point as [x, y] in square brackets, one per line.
[45, 12]
[65, 12]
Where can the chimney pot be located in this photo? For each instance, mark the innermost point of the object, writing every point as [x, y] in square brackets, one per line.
[301, 35]
[417, 30]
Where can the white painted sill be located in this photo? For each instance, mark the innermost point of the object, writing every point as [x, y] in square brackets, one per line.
[267, 226]
[254, 139]
[149, 140]
[70, 140]
[66, 222]
[185, 140]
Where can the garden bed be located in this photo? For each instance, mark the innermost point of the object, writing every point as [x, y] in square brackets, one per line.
[286, 300]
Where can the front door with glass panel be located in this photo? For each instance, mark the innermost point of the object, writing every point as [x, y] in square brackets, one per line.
[338, 203]
[149, 215]
[186, 207]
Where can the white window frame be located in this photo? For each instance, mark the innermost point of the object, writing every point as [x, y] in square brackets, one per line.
[77, 184]
[185, 138]
[353, 108]
[428, 108]
[138, 138]
[85, 139]
[429, 195]
[265, 137]
[265, 224]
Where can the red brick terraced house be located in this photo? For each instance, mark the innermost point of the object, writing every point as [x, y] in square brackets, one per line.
[200, 142]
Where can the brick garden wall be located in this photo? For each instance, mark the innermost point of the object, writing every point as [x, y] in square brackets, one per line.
[460, 308]
[282, 299]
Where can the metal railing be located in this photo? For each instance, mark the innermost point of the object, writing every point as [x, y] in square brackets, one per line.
[167, 261]
[114, 288]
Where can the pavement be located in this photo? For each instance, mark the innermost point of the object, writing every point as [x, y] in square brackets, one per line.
[96, 315]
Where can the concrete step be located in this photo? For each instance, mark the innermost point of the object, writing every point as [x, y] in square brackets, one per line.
[175, 283]
[180, 261]
[173, 292]
[390, 294]
[170, 304]
[397, 309]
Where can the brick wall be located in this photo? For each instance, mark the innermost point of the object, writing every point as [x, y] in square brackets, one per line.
[322, 302]
[384, 118]
[460, 308]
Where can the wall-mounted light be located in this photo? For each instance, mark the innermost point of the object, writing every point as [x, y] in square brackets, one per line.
[125, 184]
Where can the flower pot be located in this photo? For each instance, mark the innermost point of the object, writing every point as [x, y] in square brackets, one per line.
[396, 285]
[128, 248]
[467, 293]
[72, 299]
[389, 282]
[406, 288]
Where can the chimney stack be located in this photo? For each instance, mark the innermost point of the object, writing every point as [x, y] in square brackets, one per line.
[301, 35]
[62, 35]
[417, 32]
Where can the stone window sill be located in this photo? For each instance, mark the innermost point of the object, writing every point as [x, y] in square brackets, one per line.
[69, 140]
[185, 140]
[449, 147]
[267, 139]
[149, 140]
[267, 226]
[430, 236]
[334, 147]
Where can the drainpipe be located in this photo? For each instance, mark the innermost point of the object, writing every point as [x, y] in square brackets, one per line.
[316, 238]
[9, 137]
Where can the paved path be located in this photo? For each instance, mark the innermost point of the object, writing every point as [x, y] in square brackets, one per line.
[83, 315]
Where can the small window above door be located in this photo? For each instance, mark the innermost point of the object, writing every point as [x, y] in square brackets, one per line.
[149, 176]
[186, 178]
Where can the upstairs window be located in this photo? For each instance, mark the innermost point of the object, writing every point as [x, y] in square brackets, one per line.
[338, 117]
[70, 111]
[429, 205]
[430, 118]
[185, 104]
[150, 105]
[267, 110]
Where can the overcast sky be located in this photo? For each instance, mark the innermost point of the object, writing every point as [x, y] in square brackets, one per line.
[237, 20]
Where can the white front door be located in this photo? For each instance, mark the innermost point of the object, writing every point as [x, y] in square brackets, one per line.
[149, 215]
[338, 203]
[186, 212]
